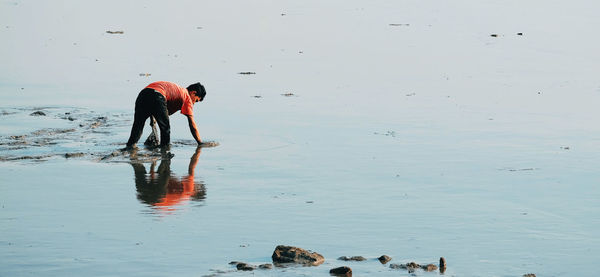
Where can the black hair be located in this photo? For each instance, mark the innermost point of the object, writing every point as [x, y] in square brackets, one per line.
[199, 89]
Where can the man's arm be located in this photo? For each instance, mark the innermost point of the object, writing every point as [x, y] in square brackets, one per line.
[194, 129]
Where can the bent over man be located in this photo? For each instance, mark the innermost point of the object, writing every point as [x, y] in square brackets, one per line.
[160, 100]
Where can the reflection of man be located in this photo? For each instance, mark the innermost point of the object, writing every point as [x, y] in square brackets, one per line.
[161, 189]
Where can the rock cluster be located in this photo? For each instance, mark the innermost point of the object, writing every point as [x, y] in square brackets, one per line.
[412, 266]
[284, 255]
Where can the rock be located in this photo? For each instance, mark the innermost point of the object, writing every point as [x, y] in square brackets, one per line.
[265, 266]
[519, 34]
[384, 259]
[442, 265]
[353, 258]
[115, 32]
[429, 267]
[244, 267]
[529, 275]
[494, 35]
[247, 73]
[38, 113]
[341, 271]
[412, 265]
[291, 254]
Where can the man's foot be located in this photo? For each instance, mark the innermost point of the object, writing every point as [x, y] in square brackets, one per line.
[129, 147]
[165, 147]
[165, 153]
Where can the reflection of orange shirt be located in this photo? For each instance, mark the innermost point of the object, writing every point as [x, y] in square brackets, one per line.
[178, 192]
[177, 97]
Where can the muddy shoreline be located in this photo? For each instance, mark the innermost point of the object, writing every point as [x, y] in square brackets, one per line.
[88, 135]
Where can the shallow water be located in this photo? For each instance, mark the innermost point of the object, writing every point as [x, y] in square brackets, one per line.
[416, 141]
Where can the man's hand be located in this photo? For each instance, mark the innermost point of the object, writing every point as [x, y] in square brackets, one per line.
[194, 129]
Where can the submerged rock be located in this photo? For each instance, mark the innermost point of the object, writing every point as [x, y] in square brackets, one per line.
[265, 266]
[244, 267]
[353, 258]
[429, 267]
[384, 259]
[291, 254]
[529, 275]
[341, 271]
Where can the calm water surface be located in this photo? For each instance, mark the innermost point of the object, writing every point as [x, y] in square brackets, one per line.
[491, 206]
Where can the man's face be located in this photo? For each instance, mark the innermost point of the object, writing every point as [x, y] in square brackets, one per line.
[195, 97]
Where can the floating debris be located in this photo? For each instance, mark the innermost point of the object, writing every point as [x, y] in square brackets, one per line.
[399, 24]
[518, 169]
[74, 155]
[494, 35]
[287, 94]
[247, 73]
[115, 32]
[145, 74]
[387, 134]
[519, 34]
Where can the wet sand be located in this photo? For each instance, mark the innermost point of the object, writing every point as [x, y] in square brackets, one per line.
[412, 129]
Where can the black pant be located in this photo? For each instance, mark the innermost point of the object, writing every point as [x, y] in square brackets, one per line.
[150, 103]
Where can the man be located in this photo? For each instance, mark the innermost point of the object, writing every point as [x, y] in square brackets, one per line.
[161, 99]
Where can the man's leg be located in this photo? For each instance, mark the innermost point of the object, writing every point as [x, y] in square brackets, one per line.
[141, 114]
[161, 114]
